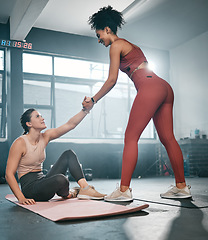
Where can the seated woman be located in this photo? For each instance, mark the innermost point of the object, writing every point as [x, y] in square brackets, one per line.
[27, 155]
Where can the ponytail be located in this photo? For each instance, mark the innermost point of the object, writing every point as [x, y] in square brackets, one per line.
[26, 116]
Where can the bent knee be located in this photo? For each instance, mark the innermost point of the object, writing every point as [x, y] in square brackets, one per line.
[69, 153]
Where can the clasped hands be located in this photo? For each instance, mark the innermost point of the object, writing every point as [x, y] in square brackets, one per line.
[87, 103]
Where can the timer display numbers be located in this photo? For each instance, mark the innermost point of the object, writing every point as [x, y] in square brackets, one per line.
[15, 44]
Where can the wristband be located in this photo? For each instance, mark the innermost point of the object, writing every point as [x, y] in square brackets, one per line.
[93, 100]
[85, 111]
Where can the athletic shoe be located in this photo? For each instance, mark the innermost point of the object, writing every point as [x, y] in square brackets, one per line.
[175, 192]
[72, 193]
[118, 196]
[90, 193]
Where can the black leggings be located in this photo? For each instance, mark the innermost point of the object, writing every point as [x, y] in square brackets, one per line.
[42, 187]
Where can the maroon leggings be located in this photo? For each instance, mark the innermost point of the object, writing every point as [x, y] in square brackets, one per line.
[153, 100]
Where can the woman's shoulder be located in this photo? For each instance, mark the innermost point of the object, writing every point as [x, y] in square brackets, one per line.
[119, 41]
[119, 44]
[122, 41]
[19, 144]
[21, 140]
[122, 44]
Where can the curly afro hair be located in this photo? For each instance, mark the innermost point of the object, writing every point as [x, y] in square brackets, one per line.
[106, 17]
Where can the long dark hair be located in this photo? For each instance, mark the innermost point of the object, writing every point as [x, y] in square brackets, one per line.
[26, 116]
[106, 17]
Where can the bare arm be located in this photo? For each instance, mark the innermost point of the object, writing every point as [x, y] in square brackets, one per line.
[63, 129]
[115, 52]
[15, 154]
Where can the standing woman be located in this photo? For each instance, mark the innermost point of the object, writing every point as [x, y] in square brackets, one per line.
[154, 99]
[27, 155]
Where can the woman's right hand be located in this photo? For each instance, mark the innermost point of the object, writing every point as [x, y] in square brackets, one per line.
[27, 201]
[87, 103]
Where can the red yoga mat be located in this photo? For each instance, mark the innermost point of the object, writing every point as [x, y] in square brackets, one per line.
[73, 209]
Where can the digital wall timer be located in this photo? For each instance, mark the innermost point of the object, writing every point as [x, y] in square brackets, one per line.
[15, 44]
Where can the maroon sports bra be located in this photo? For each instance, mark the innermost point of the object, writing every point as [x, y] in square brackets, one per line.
[132, 60]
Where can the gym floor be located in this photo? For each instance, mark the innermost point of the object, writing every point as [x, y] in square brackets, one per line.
[163, 220]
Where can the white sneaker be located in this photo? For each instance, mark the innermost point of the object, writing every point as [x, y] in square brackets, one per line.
[118, 196]
[175, 192]
[90, 193]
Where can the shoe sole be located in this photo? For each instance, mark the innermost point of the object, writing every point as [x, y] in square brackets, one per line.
[89, 197]
[119, 200]
[175, 197]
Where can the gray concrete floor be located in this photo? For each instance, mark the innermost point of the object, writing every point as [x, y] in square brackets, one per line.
[163, 220]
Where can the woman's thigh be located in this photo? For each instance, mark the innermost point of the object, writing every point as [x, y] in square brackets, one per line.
[42, 188]
[148, 100]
